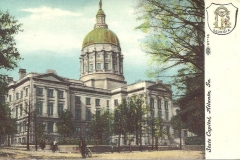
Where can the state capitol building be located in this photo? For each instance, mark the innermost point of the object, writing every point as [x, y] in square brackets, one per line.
[101, 86]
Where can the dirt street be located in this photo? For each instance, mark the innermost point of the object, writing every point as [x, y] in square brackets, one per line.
[173, 154]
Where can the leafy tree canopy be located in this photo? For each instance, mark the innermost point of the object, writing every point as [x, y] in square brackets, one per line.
[65, 126]
[175, 43]
[100, 126]
[9, 54]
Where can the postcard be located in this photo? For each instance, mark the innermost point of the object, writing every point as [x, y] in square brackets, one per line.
[104, 79]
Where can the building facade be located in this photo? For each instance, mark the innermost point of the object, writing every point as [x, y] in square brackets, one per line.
[101, 86]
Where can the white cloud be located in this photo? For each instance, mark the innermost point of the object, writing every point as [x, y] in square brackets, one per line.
[48, 13]
[51, 29]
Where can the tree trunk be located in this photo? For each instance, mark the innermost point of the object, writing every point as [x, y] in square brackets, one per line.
[8, 140]
[140, 138]
[136, 134]
[180, 138]
[152, 135]
[119, 142]
[28, 129]
[156, 143]
[125, 139]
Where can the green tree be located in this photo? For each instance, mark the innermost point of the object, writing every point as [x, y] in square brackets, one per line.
[130, 116]
[8, 125]
[100, 128]
[175, 43]
[65, 125]
[177, 124]
[157, 130]
[138, 109]
[9, 54]
[120, 120]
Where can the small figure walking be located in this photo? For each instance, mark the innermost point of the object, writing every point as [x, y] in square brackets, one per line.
[54, 146]
[129, 144]
[83, 145]
[42, 144]
[111, 146]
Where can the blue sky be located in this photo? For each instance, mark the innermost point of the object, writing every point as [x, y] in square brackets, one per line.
[54, 31]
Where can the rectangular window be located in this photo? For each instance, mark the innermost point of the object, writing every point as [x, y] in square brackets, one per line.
[2, 99]
[26, 106]
[97, 102]
[21, 94]
[160, 114]
[107, 103]
[50, 127]
[20, 127]
[98, 112]
[90, 67]
[91, 57]
[16, 111]
[166, 105]
[77, 100]
[50, 109]
[50, 93]
[98, 55]
[10, 98]
[21, 108]
[85, 68]
[99, 66]
[78, 129]
[39, 108]
[78, 113]
[166, 115]
[17, 96]
[106, 56]
[23, 140]
[26, 92]
[159, 104]
[152, 113]
[39, 91]
[24, 126]
[152, 103]
[60, 109]
[88, 101]
[60, 94]
[106, 66]
[115, 102]
[88, 115]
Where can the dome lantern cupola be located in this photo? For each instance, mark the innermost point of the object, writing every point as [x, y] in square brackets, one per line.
[100, 17]
[101, 58]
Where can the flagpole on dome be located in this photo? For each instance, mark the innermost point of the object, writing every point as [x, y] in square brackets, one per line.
[100, 4]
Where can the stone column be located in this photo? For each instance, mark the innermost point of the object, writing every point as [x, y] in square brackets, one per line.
[121, 65]
[94, 61]
[87, 59]
[45, 103]
[103, 61]
[118, 62]
[65, 106]
[55, 104]
[54, 127]
[81, 66]
[111, 61]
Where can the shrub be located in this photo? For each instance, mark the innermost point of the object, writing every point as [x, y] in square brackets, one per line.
[195, 140]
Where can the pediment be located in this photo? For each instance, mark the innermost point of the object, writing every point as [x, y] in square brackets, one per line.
[159, 87]
[51, 77]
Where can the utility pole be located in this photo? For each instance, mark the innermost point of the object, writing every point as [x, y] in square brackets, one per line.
[152, 133]
[28, 124]
[35, 117]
